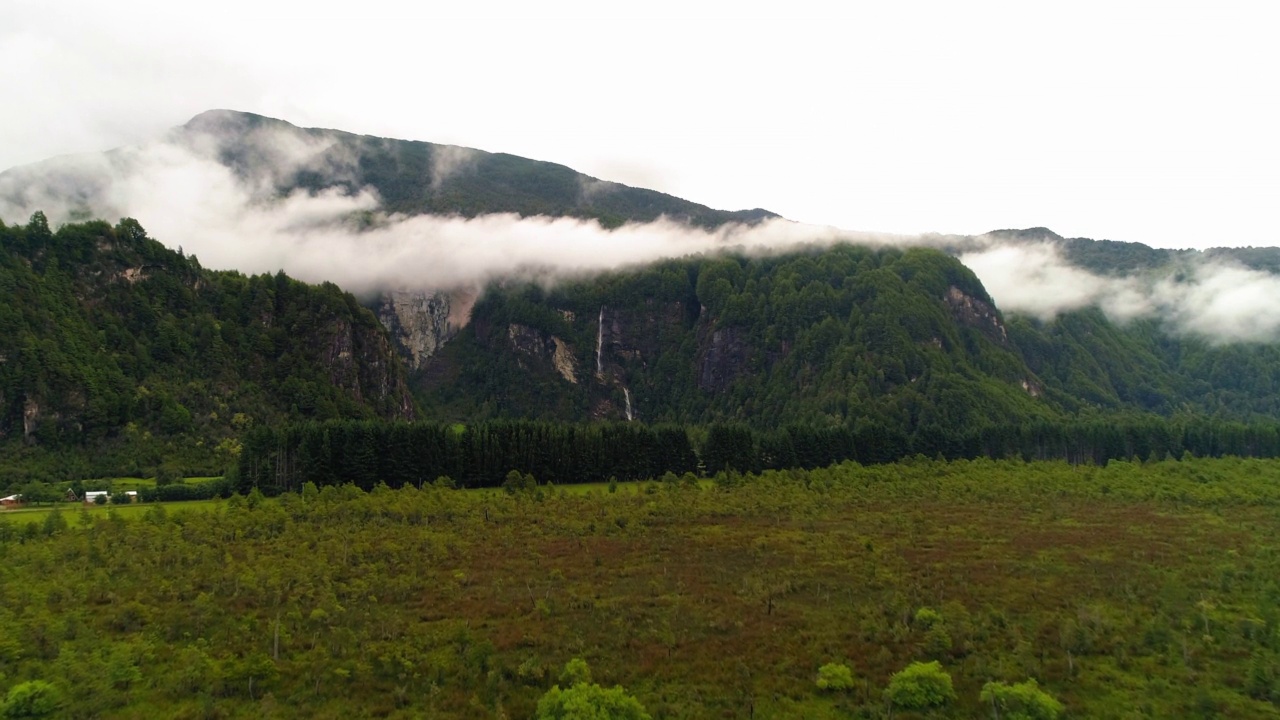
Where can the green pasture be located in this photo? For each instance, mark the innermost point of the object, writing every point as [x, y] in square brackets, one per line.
[75, 512]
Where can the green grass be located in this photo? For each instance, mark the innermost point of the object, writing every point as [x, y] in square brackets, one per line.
[73, 512]
[1135, 590]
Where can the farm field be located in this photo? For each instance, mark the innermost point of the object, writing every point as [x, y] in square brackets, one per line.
[1134, 590]
[75, 518]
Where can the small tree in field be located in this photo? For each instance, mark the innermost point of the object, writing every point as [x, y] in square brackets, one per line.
[585, 700]
[1021, 701]
[920, 686]
[33, 699]
[835, 676]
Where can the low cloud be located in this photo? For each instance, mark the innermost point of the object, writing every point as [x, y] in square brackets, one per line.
[1211, 299]
[449, 160]
[222, 203]
[232, 217]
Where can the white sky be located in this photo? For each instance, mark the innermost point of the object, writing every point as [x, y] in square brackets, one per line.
[1148, 122]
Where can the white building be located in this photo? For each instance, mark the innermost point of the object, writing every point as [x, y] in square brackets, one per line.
[91, 496]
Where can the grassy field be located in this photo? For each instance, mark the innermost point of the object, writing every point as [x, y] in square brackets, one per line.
[1135, 590]
[81, 515]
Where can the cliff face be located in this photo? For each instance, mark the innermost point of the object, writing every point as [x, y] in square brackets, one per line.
[975, 313]
[361, 362]
[114, 341]
[419, 323]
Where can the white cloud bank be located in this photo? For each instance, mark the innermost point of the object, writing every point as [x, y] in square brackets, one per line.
[1221, 302]
[234, 219]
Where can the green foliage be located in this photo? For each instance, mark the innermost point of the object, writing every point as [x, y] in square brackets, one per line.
[1020, 701]
[511, 455]
[430, 602]
[123, 355]
[926, 618]
[585, 701]
[835, 677]
[32, 699]
[575, 671]
[920, 686]
[817, 338]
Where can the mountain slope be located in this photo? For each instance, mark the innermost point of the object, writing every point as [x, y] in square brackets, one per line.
[113, 345]
[276, 158]
[845, 334]
[908, 340]
[865, 337]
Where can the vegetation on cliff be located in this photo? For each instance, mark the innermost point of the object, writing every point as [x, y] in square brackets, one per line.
[119, 354]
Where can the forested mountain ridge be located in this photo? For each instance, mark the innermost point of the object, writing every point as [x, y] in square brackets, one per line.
[826, 336]
[115, 347]
[1119, 258]
[908, 340]
[410, 177]
[763, 340]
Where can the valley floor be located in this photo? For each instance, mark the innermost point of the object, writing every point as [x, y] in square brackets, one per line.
[1134, 590]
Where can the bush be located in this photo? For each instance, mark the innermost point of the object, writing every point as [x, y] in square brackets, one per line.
[33, 699]
[1022, 701]
[590, 702]
[926, 617]
[835, 676]
[587, 701]
[190, 491]
[166, 476]
[920, 686]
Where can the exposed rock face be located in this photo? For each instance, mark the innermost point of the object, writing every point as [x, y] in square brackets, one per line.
[975, 313]
[361, 362]
[30, 416]
[418, 322]
[544, 348]
[724, 358]
[564, 361]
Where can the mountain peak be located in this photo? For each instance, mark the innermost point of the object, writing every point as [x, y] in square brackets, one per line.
[1027, 234]
[222, 118]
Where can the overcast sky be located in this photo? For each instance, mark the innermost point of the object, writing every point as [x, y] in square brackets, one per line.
[1148, 122]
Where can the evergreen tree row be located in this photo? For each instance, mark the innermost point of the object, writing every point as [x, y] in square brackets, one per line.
[366, 453]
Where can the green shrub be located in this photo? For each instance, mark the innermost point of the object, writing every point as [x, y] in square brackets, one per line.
[835, 676]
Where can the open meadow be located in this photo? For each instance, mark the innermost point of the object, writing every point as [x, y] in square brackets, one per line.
[78, 515]
[1134, 590]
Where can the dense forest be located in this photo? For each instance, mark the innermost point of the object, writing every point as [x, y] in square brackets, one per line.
[283, 458]
[120, 355]
[838, 335]
[825, 336]
[1138, 588]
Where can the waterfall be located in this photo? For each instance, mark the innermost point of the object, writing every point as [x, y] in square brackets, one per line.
[600, 344]
[627, 394]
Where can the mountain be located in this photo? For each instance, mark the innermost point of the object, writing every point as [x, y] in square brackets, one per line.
[269, 160]
[903, 338]
[826, 336]
[410, 177]
[1121, 259]
[117, 351]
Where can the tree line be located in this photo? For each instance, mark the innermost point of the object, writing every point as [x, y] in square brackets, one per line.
[367, 453]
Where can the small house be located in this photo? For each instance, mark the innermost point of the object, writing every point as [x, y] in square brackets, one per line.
[11, 502]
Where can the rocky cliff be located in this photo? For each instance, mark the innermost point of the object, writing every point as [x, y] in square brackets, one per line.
[419, 323]
[112, 341]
